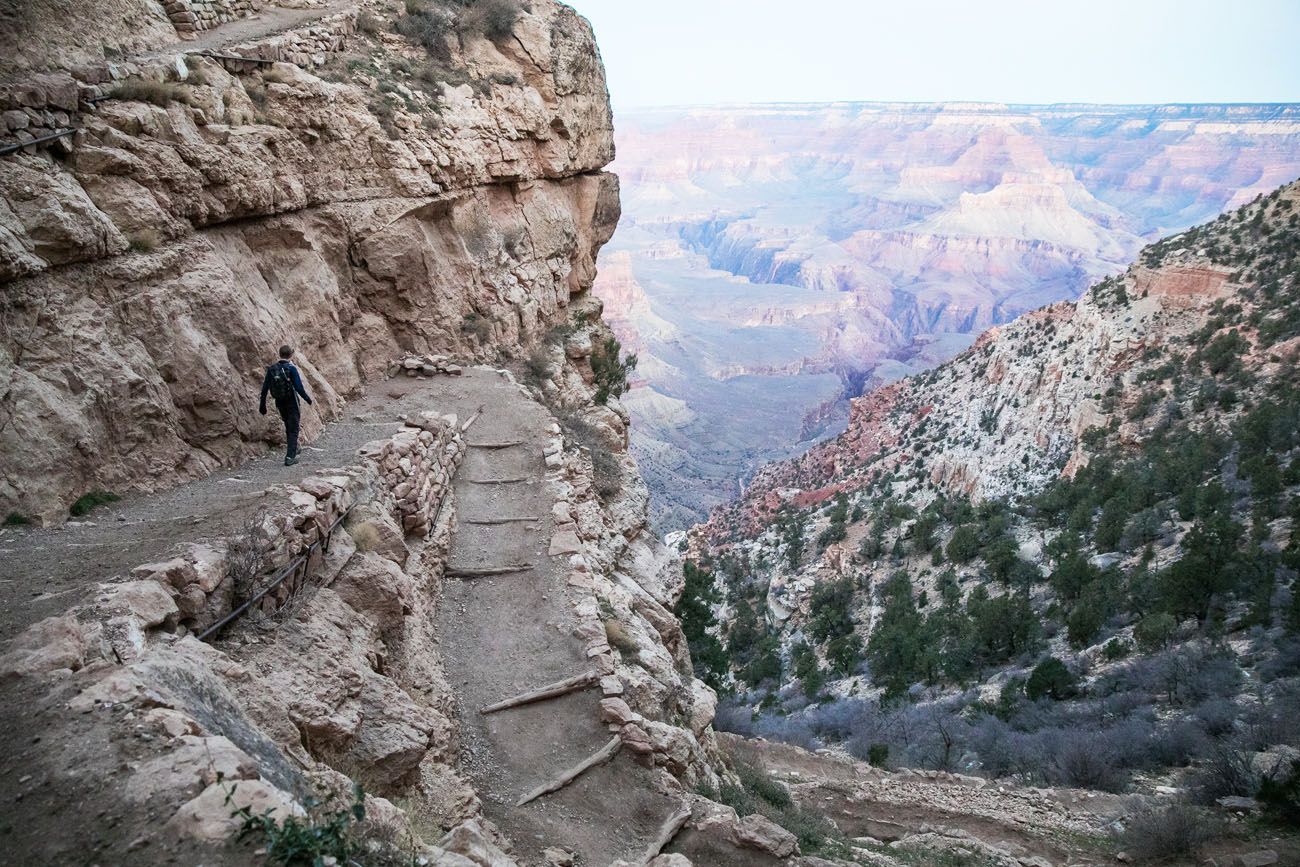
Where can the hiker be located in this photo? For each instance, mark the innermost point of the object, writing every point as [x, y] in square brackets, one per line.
[284, 384]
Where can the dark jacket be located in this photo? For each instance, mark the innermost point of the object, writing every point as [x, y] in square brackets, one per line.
[293, 377]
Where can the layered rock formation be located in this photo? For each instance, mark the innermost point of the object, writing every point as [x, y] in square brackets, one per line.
[234, 658]
[202, 217]
[858, 243]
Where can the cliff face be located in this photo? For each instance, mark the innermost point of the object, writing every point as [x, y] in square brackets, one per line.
[361, 207]
[463, 622]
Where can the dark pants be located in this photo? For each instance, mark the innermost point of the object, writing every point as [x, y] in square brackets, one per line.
[288, 410]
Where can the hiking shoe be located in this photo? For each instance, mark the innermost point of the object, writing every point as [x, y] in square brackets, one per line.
[288, 462]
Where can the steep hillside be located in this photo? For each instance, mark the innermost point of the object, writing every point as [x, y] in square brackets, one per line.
[1067, 555]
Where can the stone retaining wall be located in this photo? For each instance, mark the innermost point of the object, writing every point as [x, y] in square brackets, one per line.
[306, 46]
[46, 103]
[404, 479]
[41, 105]
[191, 16]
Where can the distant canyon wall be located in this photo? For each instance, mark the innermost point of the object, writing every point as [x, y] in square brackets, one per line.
[864, 242]
[210, 211]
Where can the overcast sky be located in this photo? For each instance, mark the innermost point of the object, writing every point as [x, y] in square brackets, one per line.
[680, 52]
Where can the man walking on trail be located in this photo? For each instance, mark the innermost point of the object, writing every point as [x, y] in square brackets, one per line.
[284, 384]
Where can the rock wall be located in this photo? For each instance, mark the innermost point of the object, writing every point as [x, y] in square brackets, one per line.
[401, 483]
[200, 222]
[190, 16]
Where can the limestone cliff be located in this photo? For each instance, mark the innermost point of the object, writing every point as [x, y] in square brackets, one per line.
[364, 203]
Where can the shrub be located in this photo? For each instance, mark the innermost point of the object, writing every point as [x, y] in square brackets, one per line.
[1084, 760]
[244, 560]
[17, 519]
[611, 372]
[369, 23]
[759, 793]
[607, 473]
[144, 241]
[1227, 771]
[537, 366]
[326, 832]
[428, 28]
[964, 544]
[1116, 649]
[475, 325]
[494, 19]
[1279, 792]
[617, 636]
[86, 502]
[735, 718]
[1155, 631]
[1050, 679]
[1167, 832]
[160, 93]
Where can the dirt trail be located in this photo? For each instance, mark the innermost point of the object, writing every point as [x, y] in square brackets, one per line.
[268, 22]
[500, 636]
[505, 635]
[44, 571]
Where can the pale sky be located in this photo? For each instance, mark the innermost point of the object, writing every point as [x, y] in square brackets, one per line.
[682, 52]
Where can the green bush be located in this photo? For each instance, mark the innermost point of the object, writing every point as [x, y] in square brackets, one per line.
[611, 371]
[695, 611]
[17, 519]
[86, 502]
[1050, 679]
[1116, 649]
[326, 832]
[964, 544]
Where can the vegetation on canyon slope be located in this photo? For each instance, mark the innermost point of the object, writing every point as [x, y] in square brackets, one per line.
[1135, 621]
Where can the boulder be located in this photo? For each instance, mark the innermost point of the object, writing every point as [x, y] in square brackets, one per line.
[761, 833]
[51, 644]
[189, 766]
[1260, 858]
[376, 587]
[209, 818]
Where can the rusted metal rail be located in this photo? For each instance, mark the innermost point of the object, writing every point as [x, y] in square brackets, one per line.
[14, 148]
[215, 56]
[295, 573]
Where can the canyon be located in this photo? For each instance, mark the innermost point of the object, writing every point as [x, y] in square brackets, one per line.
[452, 633]
[775, 261]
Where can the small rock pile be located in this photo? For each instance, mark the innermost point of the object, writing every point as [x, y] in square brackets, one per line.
[424, 365]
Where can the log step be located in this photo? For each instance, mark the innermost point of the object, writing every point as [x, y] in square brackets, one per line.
[486, 571]
[604, 754]
[551, 690]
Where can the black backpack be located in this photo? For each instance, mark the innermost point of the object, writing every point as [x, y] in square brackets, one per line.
[281, 382]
